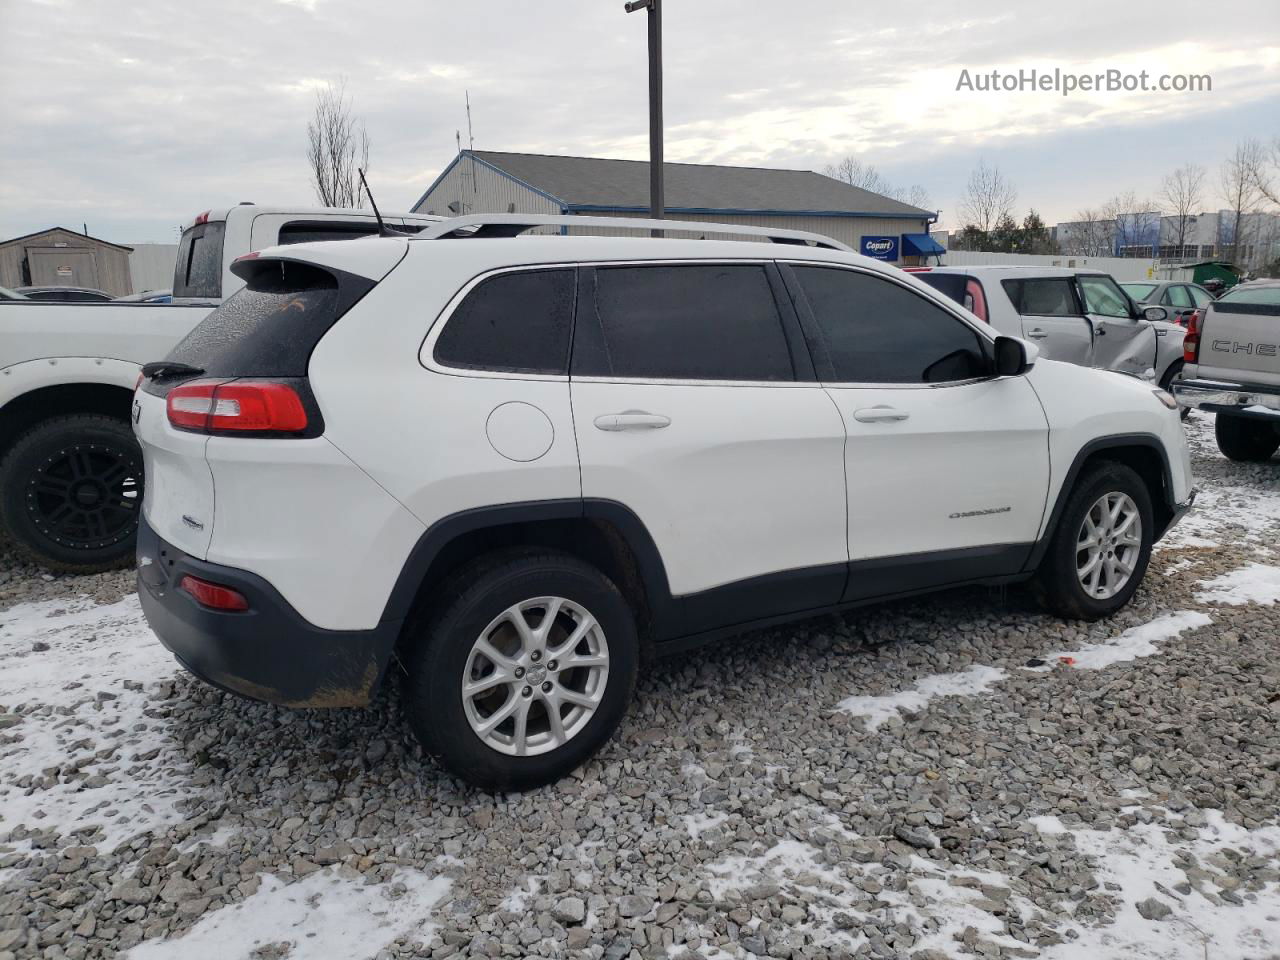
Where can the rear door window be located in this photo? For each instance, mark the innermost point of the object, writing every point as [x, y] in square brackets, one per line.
[1043, 296]
[514, 323]
[1200, 296]
[695, 322]
[1177, 296]
[877, 331]
[198, 271]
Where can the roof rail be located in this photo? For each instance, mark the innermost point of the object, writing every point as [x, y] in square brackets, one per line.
[490, 225]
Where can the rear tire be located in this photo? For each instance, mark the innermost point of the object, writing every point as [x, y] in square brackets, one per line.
[71, 493]
[519, 681]
[1066, 584]
[1244, 439]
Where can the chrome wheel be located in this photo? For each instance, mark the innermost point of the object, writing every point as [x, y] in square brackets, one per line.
[1108, 545]
[535, 676]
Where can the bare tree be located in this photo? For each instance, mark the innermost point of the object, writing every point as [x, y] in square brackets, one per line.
[1136, 224]
[988, 198]
[1240, 177]
[1089, 235]
[1183, 195]
[854, 172]
[1268, 176]
[336, 146]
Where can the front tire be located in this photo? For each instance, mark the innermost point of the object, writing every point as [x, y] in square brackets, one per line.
[1102, 545]
[523, 670]
[1244, 439]
[71, 493]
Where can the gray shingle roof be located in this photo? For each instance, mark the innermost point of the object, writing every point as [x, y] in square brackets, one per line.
[596, 182]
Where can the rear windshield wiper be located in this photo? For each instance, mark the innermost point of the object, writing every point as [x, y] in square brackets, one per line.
[163, 369]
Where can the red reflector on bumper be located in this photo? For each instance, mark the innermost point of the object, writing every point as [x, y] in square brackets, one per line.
[213, 595]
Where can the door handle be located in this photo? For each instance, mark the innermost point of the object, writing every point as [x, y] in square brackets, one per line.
[632, 420]
[879, 414]
[1037, 334]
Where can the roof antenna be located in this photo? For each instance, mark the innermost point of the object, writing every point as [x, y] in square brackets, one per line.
[383, 229]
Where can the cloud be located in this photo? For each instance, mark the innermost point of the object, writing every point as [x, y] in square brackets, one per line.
[149, 112]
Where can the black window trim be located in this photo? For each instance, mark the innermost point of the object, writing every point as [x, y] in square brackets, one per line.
[426, 352]
[801, 363]
[826, 370]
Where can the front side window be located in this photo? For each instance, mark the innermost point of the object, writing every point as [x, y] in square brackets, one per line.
[1103, 296]
[697, 322]
[877, 331]
[1043, 296]
[512, 323]
[1200, 296]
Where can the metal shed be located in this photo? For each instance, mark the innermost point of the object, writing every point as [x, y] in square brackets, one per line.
[59, 257]
[490, 181]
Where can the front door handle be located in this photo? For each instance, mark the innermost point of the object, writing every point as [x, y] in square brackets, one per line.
[632, 420]
[1037, 334]
[879, 414]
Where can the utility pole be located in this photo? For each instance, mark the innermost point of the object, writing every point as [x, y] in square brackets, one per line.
[654, 9]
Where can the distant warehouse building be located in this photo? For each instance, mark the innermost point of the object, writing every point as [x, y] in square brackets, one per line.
[488, 181]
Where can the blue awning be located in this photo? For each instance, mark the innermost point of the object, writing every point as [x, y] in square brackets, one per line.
[921, 245]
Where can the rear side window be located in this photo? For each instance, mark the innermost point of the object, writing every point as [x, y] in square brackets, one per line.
[876, 331]
[198, 271]
[1043, 296]
[512, 323]
[703, 322]
[270, 326]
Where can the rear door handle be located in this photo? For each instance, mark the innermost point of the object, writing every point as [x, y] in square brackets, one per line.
[1037, 334]
[632, 420]
[879, 414]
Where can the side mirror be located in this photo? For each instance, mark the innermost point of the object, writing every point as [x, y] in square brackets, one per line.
[1013, 357]
[1154, 313]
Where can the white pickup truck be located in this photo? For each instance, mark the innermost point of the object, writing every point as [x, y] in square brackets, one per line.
[70, 469]
[1233, 369]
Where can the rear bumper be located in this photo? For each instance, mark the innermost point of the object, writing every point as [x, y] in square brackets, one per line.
[1218, 396]
[268, 652]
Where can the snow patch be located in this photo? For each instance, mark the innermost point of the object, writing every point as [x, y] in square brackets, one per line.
[64, 665]
[877, 710]
[1201, 924]
[697, 823]
[323, 915]
[1133, 643]
[1256, 583]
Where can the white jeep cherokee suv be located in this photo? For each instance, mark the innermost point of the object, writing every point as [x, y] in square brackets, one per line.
[514, 465]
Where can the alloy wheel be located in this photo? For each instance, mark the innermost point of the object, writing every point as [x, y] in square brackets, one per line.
[535, 676]
[87, 495]
[1108, 545]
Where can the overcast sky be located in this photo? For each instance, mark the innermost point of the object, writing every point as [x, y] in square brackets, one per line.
[134, 116]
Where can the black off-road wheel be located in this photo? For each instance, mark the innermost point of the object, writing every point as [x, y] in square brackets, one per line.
[71, 493]
[522, 671]
[1102, 545]
[1245, 439]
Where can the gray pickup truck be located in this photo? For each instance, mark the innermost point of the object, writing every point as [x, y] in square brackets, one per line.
[1232, 369]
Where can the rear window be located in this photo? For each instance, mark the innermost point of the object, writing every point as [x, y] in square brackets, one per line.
[1268, 296]
[270, 326]
[198, 271]
[310, 232]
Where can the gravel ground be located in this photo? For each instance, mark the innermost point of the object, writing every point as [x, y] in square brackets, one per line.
[954, 777]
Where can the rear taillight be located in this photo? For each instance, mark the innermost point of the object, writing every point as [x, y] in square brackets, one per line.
[975, 300]
[239, 406]
[1191, 342]
[213, 595]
